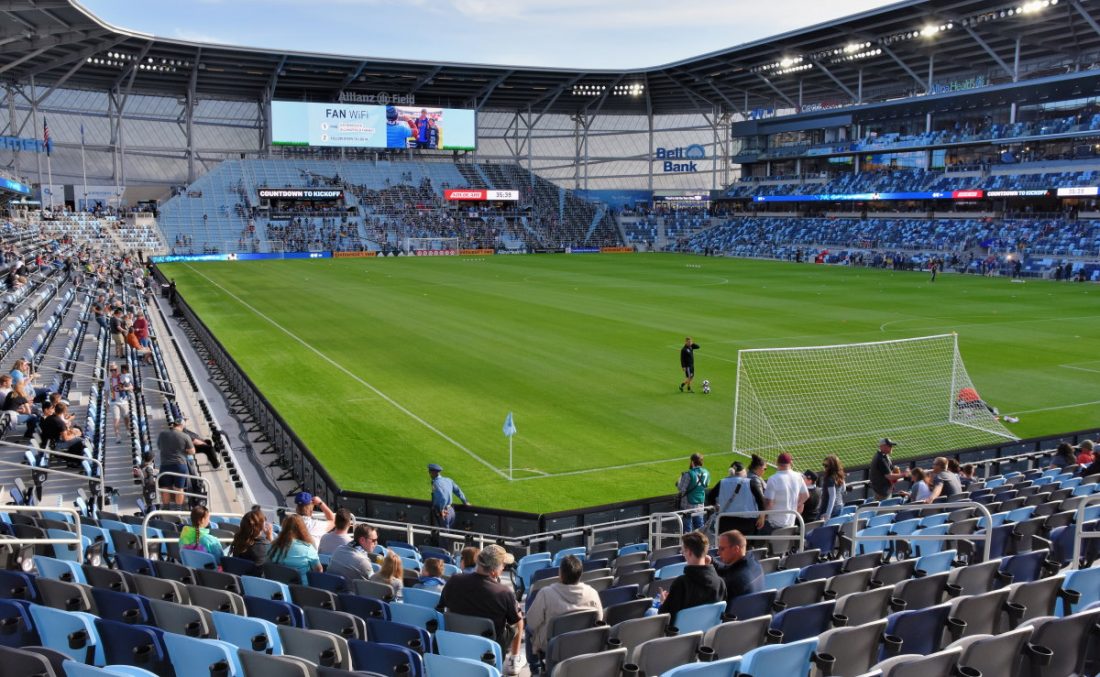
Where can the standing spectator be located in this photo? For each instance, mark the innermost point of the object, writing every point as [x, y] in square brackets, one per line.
[253, 539]
[174, 448]
[811, 509]
[692, 486]
[966, 475]
[737, 566]
[431, 575]
[122, 386]
[1085, 455]
[443, 512]
[118, 333]
[294, 547]
[882, 472]
[354, 559]
[304, 505]
[699, 584]
[785, 490]
[340, 533]
[482, 594]
[565, 596]
[198, 536]
[391, 573]
[832, 487]
[740, 493]
[944, 482]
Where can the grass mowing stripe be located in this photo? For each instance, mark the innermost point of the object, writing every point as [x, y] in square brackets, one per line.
[344, 369]
[584, 351]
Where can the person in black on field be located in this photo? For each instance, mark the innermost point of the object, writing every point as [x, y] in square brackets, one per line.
[687, 363]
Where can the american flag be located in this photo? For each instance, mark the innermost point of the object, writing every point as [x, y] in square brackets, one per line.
[46, 134]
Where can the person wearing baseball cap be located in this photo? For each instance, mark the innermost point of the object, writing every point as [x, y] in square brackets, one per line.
[482, 594]
[443, 488]
[304, 505]
[785, 490]
[881, 473]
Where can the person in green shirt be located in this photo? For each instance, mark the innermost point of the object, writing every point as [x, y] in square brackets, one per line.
[198, 536]
[692, 486]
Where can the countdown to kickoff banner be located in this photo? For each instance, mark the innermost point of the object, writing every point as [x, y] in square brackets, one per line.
[295, 123]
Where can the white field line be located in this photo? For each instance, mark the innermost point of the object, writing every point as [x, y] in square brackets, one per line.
[1073, 366]
[614, 467]
[1064, 406]
[357, 379]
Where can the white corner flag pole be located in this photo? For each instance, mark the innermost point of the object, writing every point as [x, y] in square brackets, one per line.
[510, 457]
[509, 432]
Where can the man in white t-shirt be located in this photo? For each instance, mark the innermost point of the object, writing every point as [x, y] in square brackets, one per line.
[304, 504]
[785, 490]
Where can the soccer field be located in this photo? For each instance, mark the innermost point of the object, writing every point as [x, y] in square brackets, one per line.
[384, 365]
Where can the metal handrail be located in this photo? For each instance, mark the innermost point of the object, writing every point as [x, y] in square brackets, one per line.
[98, 477]
[78, 539]
[146, 539]
[771, 537]
[169, 473]
[1079, 533]
[986, 538]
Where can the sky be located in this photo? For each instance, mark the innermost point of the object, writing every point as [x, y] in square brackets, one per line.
[549, 33]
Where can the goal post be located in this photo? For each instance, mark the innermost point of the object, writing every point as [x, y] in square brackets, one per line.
[841, 399]
[433, 244]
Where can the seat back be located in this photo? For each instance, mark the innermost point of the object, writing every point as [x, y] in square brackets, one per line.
[634, 632]
[339, 623]
[385, 659]
[316, 646]
[192, 657]
[1069, 638]
[801, 622]
[604, 664]
[752, 605]
[656, 656]
[735, 638]
[984, 614]
[250, 634]
[999, 655]
[779, 659]
[138, 645]
[624, 611]
[699, 618]
[216, 600]
[865, 607]
[574, 620]
[920, 631]
[855, 648]
[274, 666]
[576, 643]
[473, 647]
[180, 619]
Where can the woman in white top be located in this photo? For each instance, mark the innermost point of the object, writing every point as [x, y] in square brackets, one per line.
[921, 488]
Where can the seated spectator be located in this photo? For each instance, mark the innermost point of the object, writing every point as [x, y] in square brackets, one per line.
[1085, 454]
[304, 504]
[19, 404]
[57, 433]
[5, 385]
[353, 559]
[340, 533]
[198, 536]
[481, 594]
[468, 557]
[253, 538]
[391, 573]
[944, 482]
[1063, 455]
[558, 599]
[294, 547]
[134, 343]
[812, 507]
[966, 475]
[919, 489]
[431, 575]
[737, 566]
[699, 584]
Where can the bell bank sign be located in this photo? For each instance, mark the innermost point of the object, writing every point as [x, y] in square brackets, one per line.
[680, 160]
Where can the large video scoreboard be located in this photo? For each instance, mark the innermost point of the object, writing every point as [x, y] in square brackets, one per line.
[296, 123]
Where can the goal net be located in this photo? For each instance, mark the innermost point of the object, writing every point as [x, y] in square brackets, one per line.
[842, 399]
[442, 245]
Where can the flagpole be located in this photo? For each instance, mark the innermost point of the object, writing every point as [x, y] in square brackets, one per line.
[49, 177]
[510, 456]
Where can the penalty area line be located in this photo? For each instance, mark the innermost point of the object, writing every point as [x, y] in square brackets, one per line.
[354, 377]
[623, 466]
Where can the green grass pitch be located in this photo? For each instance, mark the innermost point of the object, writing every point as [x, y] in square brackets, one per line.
[385, 365]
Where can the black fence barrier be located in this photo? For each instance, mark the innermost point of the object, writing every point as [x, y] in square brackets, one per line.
[294, 456]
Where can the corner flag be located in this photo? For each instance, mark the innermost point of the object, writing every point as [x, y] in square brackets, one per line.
[509, 426]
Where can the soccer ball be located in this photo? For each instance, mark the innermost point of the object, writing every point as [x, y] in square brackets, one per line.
[706, 387]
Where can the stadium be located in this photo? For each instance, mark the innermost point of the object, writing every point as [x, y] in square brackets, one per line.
[316, 358]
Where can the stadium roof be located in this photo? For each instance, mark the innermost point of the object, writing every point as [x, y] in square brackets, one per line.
[58, 42]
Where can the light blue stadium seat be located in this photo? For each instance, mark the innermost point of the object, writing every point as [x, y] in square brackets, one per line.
[671, 571]
[777, 580]
[1084, 581]
[929, 547]
[937, 563]
[244, 631]
[198, 559]
[933, 520]
[872, 545]
[74, 669]
[57, 629]
[578, 552]
[1020, 514]
[896, 500]
[701, 618]
[462, 645]
[779, 660]
[727, 667]
[59, 569]
[424, 598]
[879, 520]
[411, 564]
[262, 587]
[633, 547]
[193, 657]
[446, 666]
[414, 614]
[405, 552]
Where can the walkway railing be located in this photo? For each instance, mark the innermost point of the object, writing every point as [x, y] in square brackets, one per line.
[1079, 533]
[986, 538]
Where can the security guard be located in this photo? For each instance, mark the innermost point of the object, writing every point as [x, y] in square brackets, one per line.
[443, 513]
